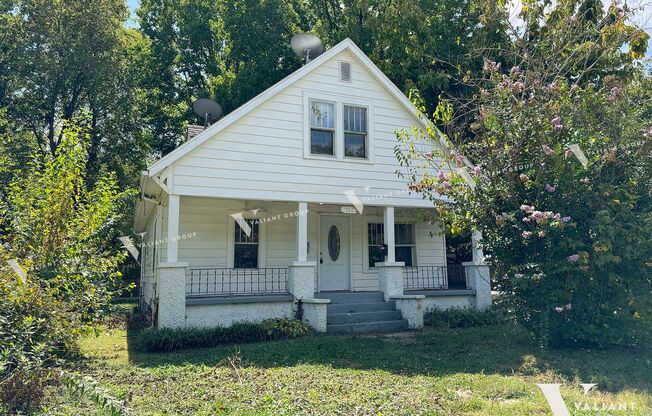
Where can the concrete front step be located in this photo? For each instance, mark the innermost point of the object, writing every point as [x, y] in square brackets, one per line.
[351, 297]
[357, 317]
[361, 307]
[368, 327]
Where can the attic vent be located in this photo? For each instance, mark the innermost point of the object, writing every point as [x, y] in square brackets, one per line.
[345, 71]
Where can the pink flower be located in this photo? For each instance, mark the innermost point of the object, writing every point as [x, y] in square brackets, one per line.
[527, 219]
[568, 306]
[523, 177]
[446, 184]
[459, 160]
[556, 124]
[428, 155]
[527, 208]
[526, 234]
[537, 216]
[550, 188]
[477, 170]
[565, 219]
[548, 214]
[548, 151]
[541, 233]
[573, 258]
[557, 216]
[559, 310]
[442, 175]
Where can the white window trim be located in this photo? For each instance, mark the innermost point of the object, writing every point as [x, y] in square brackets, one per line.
[307, 106]
[230, 240]
[365, 241]
[338, 140]
[366, 138]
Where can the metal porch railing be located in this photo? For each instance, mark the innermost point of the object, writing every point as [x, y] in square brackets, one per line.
[436, 277]
[206, 282]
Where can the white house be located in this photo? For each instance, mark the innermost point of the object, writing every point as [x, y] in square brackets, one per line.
[281, 209]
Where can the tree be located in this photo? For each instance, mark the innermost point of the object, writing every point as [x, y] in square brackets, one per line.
[419, 44]
[66, 59]
[556, 175]
[226, 50]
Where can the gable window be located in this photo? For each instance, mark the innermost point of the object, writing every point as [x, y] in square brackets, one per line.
[355, 131]
[245, 251]
[404, 243]
[322, 128]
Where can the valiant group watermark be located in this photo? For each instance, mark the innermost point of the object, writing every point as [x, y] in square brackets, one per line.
[135, 252]
[552, 393]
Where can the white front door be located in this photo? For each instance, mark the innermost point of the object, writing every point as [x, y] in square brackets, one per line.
[334, 253]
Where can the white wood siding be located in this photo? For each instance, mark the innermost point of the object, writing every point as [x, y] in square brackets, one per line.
[205, 220]
[261, 156]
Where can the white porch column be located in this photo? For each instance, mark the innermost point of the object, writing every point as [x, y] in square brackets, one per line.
[388, 216]
[302, 232]
[478, 255]
[173, 228]
[301, 276]
[390, 272]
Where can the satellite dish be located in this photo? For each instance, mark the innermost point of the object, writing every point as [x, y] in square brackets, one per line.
[307, 46]
[208, 109]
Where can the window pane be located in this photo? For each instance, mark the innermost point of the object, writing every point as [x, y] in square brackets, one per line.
[322, 115]
[375, 255]
[249, 235]
[321, 142]
[355, 119]
[245, 256]
[404, 233]
[375, 234]
[404, 254]
[354, 145]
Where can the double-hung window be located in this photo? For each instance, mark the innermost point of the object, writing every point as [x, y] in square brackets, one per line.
[405, 247]
[322, 128]
[246, 241]
[403, 239]
[355, 131]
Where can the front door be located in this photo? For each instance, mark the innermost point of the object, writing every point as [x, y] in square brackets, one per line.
[334, 253]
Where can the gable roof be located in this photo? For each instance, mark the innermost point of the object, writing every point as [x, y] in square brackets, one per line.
[346, 44]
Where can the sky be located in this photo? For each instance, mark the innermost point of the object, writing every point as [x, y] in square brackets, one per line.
[643, 17]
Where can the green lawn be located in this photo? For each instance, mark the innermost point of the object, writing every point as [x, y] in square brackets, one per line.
[478, 371]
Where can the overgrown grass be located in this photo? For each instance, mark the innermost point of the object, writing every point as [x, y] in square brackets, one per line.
[163, 340]
[489, 370]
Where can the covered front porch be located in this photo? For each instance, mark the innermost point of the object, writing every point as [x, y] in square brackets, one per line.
[225, 261]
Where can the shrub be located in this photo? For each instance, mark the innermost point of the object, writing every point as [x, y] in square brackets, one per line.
[464, 317]
[167, 339]
[58, 266]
